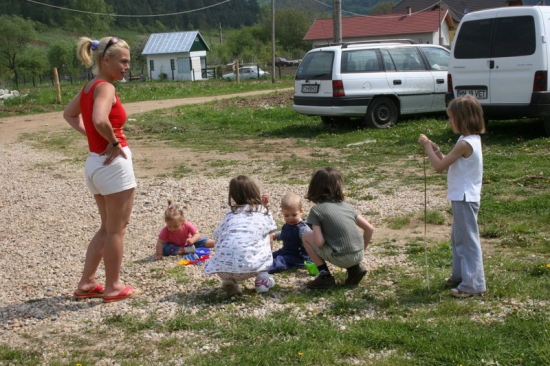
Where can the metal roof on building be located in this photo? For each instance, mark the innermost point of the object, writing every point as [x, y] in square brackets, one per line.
[175, 42]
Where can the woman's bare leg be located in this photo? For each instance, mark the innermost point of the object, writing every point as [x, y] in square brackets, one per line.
[118, 207]
[94, 253]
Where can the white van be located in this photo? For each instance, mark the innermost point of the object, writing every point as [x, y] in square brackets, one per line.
[501, 57]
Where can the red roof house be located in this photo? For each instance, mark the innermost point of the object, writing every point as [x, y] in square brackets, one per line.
[422, 27]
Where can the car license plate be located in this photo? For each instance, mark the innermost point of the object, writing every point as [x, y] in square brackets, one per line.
[477, 93]
[310, 88]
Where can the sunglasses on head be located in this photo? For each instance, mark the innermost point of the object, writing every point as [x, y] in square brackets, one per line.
[112, 41]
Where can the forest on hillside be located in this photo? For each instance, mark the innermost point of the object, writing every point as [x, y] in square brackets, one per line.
[138, 13]
[39, 35]
[188, 14]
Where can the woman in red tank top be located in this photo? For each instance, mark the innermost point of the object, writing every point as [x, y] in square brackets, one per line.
[97, 113]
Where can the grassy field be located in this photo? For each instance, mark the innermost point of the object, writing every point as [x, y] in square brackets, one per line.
[43, 99]
[400, 321]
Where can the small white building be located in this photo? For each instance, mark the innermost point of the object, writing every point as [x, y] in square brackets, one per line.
[179, 55]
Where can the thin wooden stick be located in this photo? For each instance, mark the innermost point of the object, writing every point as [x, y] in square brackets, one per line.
[426, 223]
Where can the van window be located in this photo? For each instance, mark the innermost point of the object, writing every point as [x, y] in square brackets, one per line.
[316, 65]
[474, 39]
[514, 36]
[407, 59]
[360, 61]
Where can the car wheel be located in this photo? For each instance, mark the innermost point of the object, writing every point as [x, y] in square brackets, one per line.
[381, 113]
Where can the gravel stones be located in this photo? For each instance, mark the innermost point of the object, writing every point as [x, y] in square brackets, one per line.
[47, 218]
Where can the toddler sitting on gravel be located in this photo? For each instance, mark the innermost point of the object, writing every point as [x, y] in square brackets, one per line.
[292, 254]
[179, 236]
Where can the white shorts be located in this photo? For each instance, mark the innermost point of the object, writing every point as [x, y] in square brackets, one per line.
[113, 178]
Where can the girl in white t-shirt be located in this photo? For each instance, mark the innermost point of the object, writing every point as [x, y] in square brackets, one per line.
[465, 170]
[243, 240]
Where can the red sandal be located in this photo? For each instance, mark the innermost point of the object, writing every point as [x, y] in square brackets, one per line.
[97, 291]
[126, 293]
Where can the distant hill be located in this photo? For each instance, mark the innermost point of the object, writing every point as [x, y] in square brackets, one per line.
[185, 15]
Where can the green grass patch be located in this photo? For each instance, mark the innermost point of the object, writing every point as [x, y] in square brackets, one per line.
[388, 341]
[15, 356]
[42, 99]
[433, 217]
[401, 314]
[179, 274]
[397, 223]
[131, 324]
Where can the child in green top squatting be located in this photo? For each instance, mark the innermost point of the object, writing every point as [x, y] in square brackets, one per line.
[335, 237]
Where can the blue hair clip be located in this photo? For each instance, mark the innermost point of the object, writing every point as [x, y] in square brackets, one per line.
[94, 45]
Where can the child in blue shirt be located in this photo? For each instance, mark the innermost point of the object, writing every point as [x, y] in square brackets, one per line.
[293, 253]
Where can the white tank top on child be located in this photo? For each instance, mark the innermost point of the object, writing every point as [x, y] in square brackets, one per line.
[464, 175]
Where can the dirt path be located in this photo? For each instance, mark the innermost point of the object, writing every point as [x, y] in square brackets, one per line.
[150, 157]
[12, 127]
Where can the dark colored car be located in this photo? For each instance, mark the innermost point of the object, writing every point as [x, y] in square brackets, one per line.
[281, 62]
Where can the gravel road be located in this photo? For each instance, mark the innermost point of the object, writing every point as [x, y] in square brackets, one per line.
[47, 218]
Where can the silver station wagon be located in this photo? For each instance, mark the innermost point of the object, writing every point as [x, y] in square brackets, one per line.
[375, 81]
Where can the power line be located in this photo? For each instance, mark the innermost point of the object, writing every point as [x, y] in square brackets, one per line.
[128, 16]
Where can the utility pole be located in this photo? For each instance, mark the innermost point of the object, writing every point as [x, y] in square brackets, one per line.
[273, 41]
[439, 43]
[337, 20]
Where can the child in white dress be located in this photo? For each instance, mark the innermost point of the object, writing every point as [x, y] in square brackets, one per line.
[243, 240]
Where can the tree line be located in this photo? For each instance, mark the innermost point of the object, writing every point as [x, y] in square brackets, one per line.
[231, 14]
[151, 15]
[23, 53]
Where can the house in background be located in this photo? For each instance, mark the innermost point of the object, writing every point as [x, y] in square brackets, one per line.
[422, 27]
[456, 8]
[179, 55]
